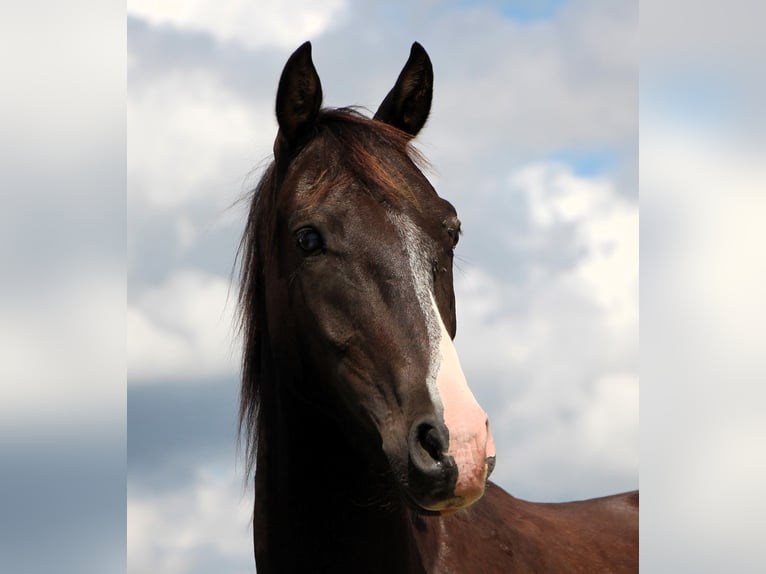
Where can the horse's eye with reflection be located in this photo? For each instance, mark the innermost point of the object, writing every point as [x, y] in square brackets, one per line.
[309, 240]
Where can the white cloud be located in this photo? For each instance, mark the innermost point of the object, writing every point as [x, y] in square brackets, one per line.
[189, 137]
[182, 329]
[556, 352]
[606, 229]
[703, 327]
[44, 337]
[53, 112]
[712, 187]
[209, 520]
[253, 24]
[609, 422]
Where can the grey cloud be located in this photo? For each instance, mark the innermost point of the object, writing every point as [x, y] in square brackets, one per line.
[155, 248]
[47, 480]
[173, 428]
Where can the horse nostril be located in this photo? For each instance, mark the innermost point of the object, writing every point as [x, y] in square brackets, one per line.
[431, 441]
[432, 473]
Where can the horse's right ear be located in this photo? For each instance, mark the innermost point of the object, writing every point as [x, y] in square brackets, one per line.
[298, 98]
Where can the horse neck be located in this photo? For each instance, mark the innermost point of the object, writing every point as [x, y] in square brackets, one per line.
[320, 505]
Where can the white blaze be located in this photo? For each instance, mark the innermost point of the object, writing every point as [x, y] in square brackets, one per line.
[421, 280]
[470, 442]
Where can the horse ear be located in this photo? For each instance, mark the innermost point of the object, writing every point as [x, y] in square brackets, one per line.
[408, 103]
[299, 96]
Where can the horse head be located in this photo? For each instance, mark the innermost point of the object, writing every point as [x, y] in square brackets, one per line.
[355, 255]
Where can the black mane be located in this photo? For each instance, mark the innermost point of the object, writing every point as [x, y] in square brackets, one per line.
[342, 129]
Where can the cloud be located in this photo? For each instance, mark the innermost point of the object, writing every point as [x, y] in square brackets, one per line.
[606, 232]
[176, 428]
[191, 139]
[552, 349]
[520, 91]
[42, 337]
[704, 199]
[204, 527]
[517, 94]
[681, 43]
[609, 423]
[182, 329]
[703, 324]
[255, 25]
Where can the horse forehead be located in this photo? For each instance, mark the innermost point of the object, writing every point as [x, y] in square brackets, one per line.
[387, 173]
[351, 200]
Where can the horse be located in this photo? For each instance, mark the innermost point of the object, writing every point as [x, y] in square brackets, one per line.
[369, 451]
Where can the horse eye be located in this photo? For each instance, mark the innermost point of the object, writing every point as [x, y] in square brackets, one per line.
[454, 234]
[452, 226]
[309, 240]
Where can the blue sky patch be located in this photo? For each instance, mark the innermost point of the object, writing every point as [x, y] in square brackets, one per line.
[587, 163]
[691, 96]
[524, 10]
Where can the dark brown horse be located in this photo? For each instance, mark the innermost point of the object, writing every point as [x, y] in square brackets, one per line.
[370, 452]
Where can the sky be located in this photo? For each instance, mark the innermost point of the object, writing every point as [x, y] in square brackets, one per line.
[703, 275]
[62, 300]
[533, 136]
[108, 227]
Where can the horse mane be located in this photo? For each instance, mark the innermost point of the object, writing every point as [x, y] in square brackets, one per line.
[350, 137]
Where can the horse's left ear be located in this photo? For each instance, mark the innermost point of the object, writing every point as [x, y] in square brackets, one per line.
[408, 103]
[299, 97]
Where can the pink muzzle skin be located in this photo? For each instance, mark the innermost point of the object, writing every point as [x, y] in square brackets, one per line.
[470, 439]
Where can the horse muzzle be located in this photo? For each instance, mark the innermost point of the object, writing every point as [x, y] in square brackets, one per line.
[448, 471]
